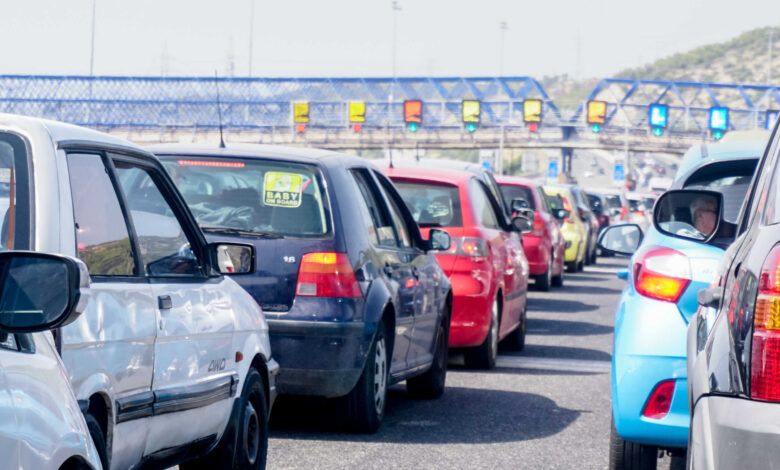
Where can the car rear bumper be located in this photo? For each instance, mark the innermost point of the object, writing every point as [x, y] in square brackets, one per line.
[322, 358]
[734, 432]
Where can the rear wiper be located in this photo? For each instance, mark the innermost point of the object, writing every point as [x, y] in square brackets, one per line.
[239, 232]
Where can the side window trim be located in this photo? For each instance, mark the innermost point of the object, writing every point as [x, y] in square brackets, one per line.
[395, 202]
[109, 163]
[497, 214]
[365, 174]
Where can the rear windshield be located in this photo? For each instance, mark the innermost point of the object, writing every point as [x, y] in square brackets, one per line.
[432, 204]
[732, 179]
[633, 205]
[595, 204]
[253, 195]
[511, 192]
[613, 201]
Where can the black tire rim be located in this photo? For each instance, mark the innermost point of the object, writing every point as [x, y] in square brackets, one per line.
[251, 432]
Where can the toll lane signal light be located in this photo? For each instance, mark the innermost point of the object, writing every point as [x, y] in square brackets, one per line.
[413, 114]
[300, 128]
[471, 114]
[597, 112]
[357, 128]
[719, 121]
[471, 127]
[658, 116]
[532, 111]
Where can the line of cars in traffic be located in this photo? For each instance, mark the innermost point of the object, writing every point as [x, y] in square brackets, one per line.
[695, 346]
[187, 287]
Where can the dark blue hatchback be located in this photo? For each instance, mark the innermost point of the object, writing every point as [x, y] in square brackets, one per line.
[354, 300]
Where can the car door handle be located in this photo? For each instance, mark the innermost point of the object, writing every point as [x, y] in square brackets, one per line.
[164, 302]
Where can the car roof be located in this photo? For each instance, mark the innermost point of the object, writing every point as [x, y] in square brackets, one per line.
[253, 151]
[439, 175]
[701, 154]
[516, 180]
[440, 163]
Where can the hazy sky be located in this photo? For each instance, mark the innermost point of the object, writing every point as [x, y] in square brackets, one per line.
[591, 38]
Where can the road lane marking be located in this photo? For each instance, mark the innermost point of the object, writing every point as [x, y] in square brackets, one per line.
[594, 269]
[547, 363]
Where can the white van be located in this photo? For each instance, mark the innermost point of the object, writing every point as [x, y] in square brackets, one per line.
[171, 359]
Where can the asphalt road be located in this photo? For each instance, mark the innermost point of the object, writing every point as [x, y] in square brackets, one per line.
[545, 407]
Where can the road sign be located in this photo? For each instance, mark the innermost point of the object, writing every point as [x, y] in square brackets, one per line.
[620, 173]
[659, 115]
[300, 112]
[552, 171]
[597, 112]
[357, 111]
[532, 111]
[471, 111]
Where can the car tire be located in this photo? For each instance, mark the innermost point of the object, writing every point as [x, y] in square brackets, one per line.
[544, 280]
[581, 266]
[430, 385]
[515, 341]
[594, 256]
[557, 281]
[625, 455]
[98, 438]
[571, 267]
[244, 444]
[484, 355]
[367, 401]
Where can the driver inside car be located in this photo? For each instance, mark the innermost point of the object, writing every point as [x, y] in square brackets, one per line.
[705, 216]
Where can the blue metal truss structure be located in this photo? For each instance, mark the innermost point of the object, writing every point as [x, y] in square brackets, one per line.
[247, 103]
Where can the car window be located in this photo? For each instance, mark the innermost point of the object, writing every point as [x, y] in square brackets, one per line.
[613, 201]
[483, 210]
[102, 238]
[252, 194]
[165, 249]
[732, 179]
[432, 204]
[595, 204]
[398, 221]
[382, 225]
[511, 192]
[14, 194]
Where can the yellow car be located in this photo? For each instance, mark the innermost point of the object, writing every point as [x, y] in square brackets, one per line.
[572, 227]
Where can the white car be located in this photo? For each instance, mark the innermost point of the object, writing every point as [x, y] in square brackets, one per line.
[171, 360]
[41, 425]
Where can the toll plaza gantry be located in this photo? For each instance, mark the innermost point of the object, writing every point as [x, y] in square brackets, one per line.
[401, 113]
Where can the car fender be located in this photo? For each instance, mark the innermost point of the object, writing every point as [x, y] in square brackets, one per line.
[379, 296]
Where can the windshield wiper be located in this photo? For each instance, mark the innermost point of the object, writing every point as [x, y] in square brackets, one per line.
[239, 232]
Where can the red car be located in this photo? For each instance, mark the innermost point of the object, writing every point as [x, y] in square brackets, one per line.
[544, 246]
[486, 265]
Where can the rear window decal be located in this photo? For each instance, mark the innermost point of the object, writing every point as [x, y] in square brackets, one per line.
[282, 189]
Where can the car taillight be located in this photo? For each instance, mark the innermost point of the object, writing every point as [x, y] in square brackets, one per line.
[660, 400]
[566, 206]
[538, 225]
[640, 213]
[661, 273]
[467, 246]
[623, 212]
[327, 275]
[765, 353]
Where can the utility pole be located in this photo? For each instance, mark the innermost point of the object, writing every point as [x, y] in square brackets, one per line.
[502, 27]
[92, 43]
[396, 9]
[251, 32]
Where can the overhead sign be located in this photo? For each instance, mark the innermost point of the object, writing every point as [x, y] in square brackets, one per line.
[659, 115]
[719, 119]
[532, 111]
[413, 111]
[357, 111]
[471, 110]
[300, 112]
[597, 112]
[619, 176]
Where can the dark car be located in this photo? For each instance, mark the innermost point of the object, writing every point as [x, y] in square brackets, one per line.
[354, 301]
[600, 207]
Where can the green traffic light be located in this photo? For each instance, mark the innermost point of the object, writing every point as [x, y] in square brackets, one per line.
[658, 132]
[717, 135]
[596, 128]
[413, 127]
[471, 127]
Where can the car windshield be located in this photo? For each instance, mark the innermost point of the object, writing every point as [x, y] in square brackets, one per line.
[732, 179]
[613, 201]
[511, 192]
[252, 196]
[432, 204]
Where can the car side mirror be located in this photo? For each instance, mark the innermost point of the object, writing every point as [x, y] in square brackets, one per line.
[233, 258]
[519, 203]
[621, 239]
[523, 223]
[694, 215]
[439, 240]
[40, 291]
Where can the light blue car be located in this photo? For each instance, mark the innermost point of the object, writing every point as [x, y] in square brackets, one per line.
[649, 389]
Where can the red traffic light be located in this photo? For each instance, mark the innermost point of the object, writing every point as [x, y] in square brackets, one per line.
[356, 128]
[533, 126]
[300, 128]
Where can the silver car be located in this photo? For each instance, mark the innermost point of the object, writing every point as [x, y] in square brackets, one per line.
[171, 359]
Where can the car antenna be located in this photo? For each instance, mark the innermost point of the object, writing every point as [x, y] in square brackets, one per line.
[219, 111]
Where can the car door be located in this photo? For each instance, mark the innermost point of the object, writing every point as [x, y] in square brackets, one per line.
[110, 348]
[194, 362]
[423, 268]
[393, 263]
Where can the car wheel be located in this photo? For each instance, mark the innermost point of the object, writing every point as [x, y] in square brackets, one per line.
[515, 341]
[484, 355]
[557, 281]
[587, 258]
[366, 402]
[431, 383]
[571, 267]
[244, 445]
[625, 455]
[581, 266]
[594, 256]
[98, 438]
[544, 280]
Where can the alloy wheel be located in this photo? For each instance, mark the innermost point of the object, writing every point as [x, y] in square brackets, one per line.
[380, 376]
